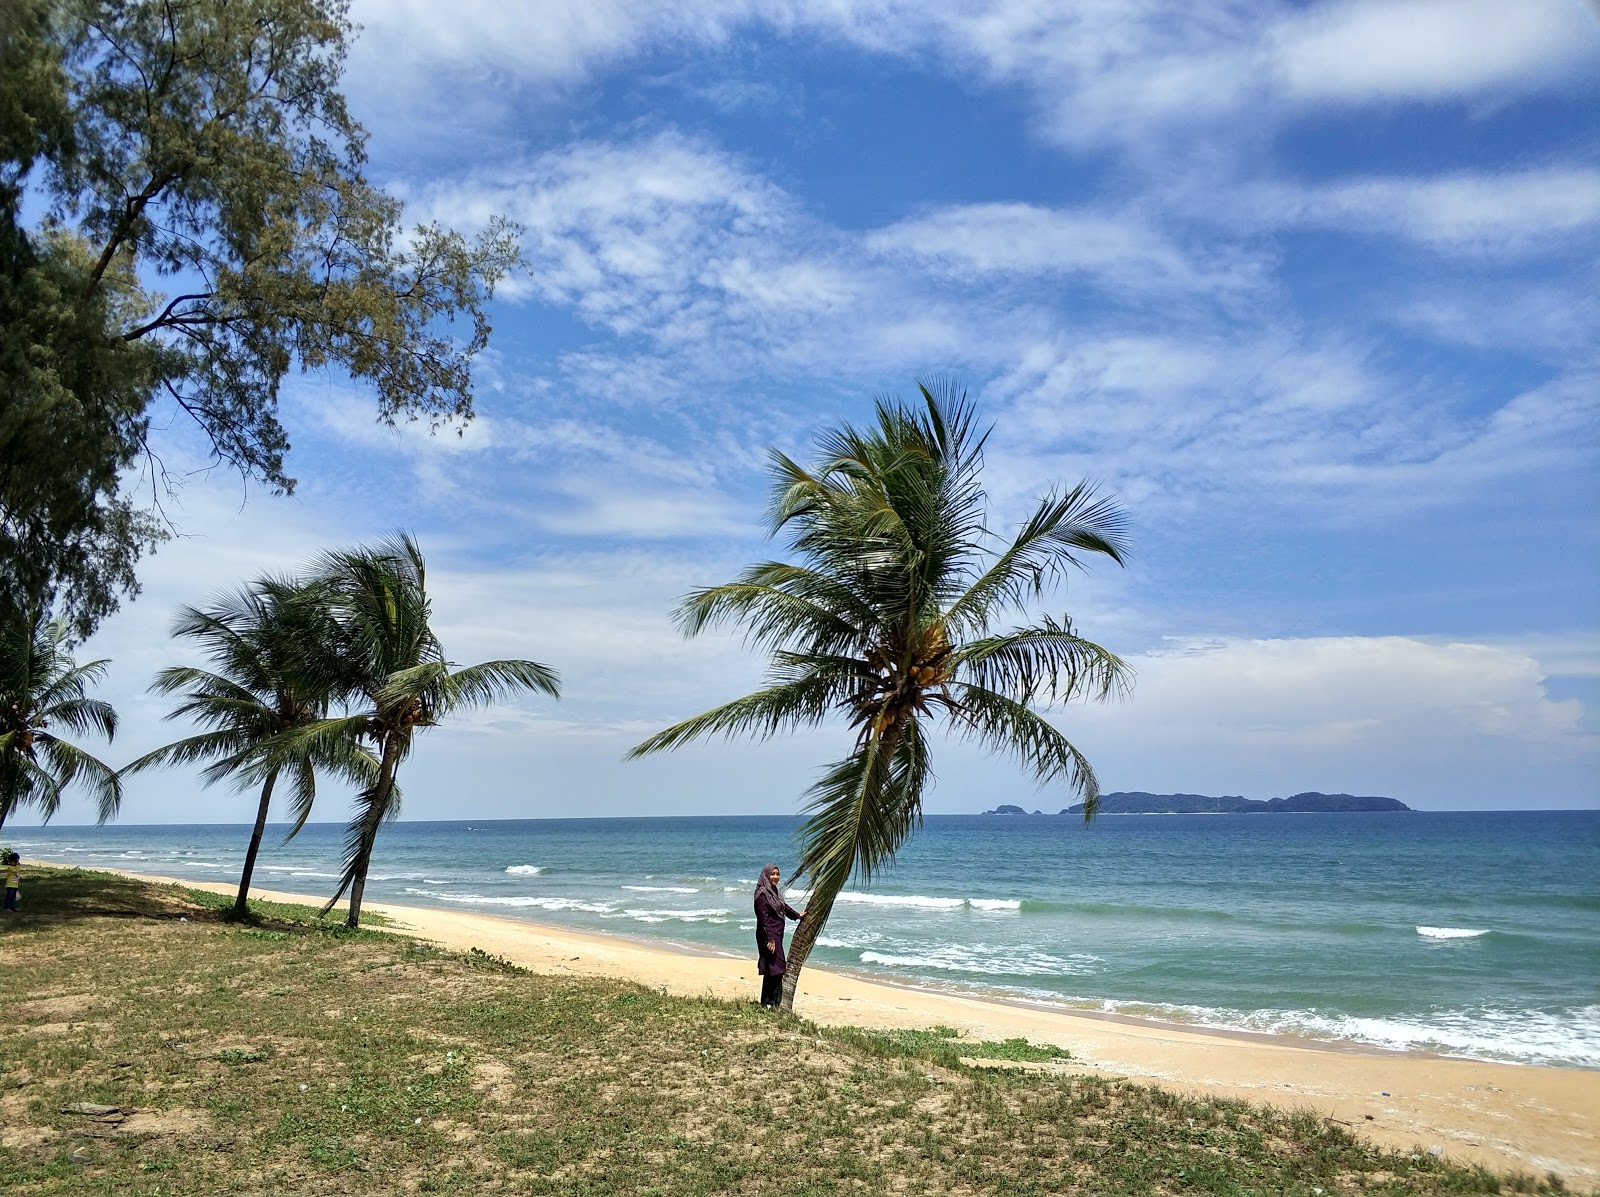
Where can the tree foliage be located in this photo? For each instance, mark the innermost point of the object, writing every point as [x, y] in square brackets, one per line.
[887, 619]
[43, 688]
[204, 228]
[382, 662]
[264, 681]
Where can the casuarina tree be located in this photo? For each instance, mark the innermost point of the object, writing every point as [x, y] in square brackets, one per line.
[266, 680]
[43, 688]
[184, 221]
[887, 619]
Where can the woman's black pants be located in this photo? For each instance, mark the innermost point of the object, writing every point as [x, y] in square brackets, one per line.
[772, 990]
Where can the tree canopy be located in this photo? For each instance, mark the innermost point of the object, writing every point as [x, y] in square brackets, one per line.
[184, 219]
[42, 687]
[887, 619]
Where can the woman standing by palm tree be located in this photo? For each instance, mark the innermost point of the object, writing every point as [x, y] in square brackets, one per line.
[771, 910]
[888, 620]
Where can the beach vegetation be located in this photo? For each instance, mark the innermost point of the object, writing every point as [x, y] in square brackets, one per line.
[152, 1047]
[384, 665]
[43, 692]
[889, 617]
[264, 681]
[184, 220]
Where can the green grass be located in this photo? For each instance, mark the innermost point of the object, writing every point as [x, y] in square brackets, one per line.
[286, 1056]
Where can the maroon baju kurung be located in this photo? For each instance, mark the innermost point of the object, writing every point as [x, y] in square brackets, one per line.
[771, 911]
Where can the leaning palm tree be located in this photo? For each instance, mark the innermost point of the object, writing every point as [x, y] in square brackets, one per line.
[887, 619]
[262, 644]
[389, 667]
[40, 686]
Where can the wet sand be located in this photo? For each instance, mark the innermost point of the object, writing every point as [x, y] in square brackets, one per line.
[1506, 1117]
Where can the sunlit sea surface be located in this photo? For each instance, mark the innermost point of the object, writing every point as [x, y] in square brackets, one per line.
[1467, 934]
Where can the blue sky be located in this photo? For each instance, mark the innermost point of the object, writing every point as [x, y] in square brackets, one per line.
[1311, 288]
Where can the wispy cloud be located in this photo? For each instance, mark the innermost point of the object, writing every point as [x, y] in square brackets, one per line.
[1098, 70]
[1512, 213]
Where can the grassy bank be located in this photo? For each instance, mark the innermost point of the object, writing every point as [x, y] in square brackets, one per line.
[287, 1056]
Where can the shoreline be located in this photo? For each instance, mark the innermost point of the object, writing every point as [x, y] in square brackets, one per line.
[1508, 1117]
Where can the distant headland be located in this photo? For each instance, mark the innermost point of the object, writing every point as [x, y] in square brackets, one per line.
[1139, 803]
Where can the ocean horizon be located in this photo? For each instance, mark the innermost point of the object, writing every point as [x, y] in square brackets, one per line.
[1463, 933]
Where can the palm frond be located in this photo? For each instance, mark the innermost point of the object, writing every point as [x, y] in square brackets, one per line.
[68, 761]
[189, 751]
[472, 686]
[24, 782]
[86, 716]
[1048, 659]
[863, 809]
[1007, 727]
[1062, 528]
[778, 603]
[804, 702]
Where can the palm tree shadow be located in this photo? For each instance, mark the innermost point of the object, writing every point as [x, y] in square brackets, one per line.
[55, 896]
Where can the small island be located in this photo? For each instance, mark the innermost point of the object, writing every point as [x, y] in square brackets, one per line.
[1310, 802]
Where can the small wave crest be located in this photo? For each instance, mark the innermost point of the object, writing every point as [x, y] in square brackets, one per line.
[980, 960]
[1450, 932]
[525, 870]
[1568, 1038]
[518, 902]
[710, 915]
[662, 889]
[923, 902]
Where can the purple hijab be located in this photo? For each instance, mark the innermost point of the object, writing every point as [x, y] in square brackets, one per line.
[765, 888]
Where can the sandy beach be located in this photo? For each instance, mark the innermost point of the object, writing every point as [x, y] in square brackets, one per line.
[1504, 1116]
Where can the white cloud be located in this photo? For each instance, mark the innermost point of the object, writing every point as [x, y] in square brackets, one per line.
[1439, 725]
[1122, 253]
[1432, 49]
[1521, 212]
[1098, 71]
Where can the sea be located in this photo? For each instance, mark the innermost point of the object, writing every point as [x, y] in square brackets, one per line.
[1464, 934]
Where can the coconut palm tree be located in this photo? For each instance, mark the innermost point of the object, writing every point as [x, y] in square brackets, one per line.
[264, 681]
[389, 668]
[887, 619]
[42, 686]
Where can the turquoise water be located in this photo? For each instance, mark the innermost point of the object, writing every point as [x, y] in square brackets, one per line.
[1472, 934]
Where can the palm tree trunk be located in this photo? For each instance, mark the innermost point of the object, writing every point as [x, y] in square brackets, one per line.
[358, 885]
[241, 904]
[369, 832]
[821, 903]
[805, 937]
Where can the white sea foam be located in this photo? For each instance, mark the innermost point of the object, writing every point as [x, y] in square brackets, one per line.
[849, 939]
[529, 870]
[662, 889]
[299, 871]
[924, 902]
[518, 902]
[1569, 1038]
[710, 915]
[1450, 932]
[981, 960]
